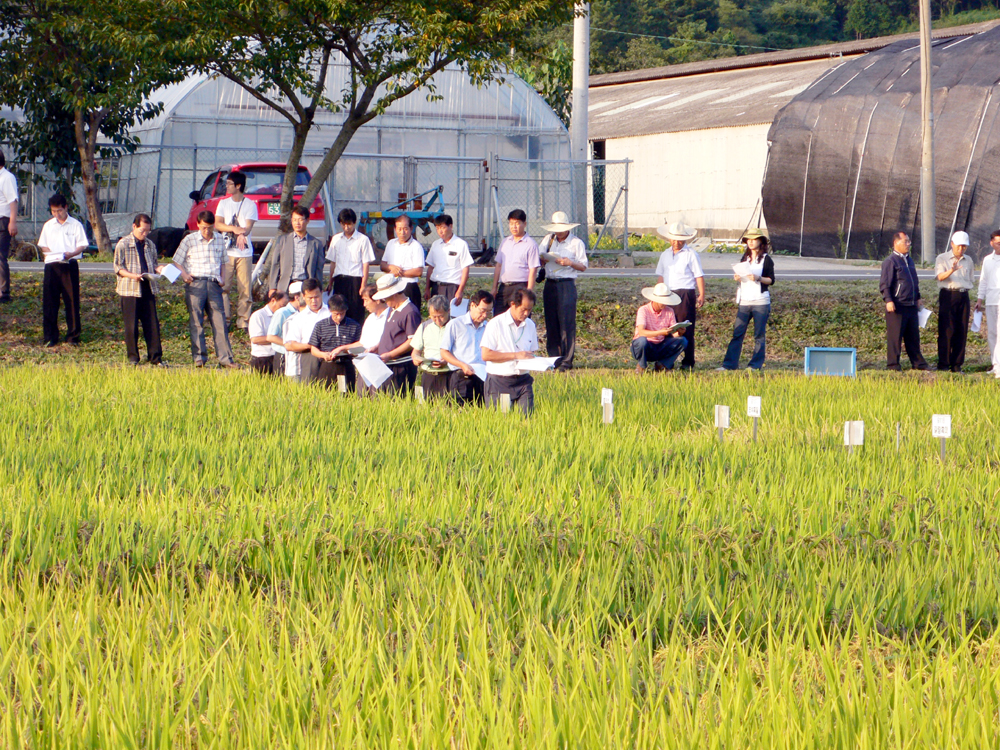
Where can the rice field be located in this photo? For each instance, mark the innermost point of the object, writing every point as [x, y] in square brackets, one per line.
[210, 560]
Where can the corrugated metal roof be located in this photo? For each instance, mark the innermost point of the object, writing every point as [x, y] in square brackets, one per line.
[730, 92]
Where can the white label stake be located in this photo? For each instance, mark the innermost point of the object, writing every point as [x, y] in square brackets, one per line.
[941, 428]
[854, 434]
[418, 392]
[721, 419]
[505, 402]
[607, 395]
[608, 410]
[342, 383]
[753, 410]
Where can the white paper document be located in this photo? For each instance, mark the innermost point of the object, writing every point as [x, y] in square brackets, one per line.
[923, 315]
[171, 272]
[977, 321]
[55, 257]
[460, 309]
[536, 364]
[742, 268]
[480, 371]
[372, 369]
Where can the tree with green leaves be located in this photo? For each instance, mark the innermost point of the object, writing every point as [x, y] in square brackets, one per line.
[78, 62]
[282, 51]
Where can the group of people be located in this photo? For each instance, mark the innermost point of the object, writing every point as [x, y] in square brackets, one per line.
[955, 274]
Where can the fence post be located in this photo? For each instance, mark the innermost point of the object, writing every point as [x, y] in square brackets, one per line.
[625, 238]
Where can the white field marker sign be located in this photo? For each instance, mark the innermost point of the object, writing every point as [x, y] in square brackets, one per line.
[418, 391]
[854, 434]
[504, 402]
[721, 419]
[607, 405]
[753, 410]
[941, 428]
[342, 383]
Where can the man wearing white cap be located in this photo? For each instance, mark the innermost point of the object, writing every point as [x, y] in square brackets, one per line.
[989, 296]
[276, 328]
[955, 273]
[680, 269]
[656, 339]
[566, 258]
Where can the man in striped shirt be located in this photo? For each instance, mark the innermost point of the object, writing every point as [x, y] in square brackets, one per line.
[330, 340]
[200, 258]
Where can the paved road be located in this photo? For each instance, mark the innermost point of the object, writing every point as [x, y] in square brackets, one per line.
[716, 267]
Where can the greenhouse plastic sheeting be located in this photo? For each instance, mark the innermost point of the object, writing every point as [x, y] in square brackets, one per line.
[844, 165]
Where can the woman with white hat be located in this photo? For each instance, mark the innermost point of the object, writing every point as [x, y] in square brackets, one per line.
[657, 339]
[680, 269]
[955, 273]
[566, 258]
[753, 300]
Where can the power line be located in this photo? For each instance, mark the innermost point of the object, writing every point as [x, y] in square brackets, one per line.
[678, 39]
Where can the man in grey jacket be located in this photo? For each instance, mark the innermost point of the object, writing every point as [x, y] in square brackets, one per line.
[296, 256]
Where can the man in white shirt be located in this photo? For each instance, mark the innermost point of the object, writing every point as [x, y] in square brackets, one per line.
[62, 241]
[261, 351]
[461, 348]
[350, 255]
[448, 263]
[680, 269]
[276, 327]
[567, 259]
[404, 259]
[300, 364]
[234, 217]
[989, 293]
[9, 197]
[508, 338]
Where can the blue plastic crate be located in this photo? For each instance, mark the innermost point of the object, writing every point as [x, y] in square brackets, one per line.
[825, 360]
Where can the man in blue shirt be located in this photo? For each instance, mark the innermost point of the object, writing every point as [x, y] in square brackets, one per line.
[460, 348]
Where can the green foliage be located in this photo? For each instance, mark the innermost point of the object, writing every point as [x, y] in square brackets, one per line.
[550, 72]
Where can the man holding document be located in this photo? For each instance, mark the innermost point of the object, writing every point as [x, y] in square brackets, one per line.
[137, 272]
[508, 349]
[461, 349]
[658, 338]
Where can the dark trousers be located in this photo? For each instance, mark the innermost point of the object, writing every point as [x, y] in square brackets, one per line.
[687, 310]
[278, 365]
[142, 311]
[953, 328]
[559, 299]
[467, 389]
[263, 365]
[518, 387]
[349, 287]
[413, 292]
[663, 352]
[308, 367]
[505, 292]
[328, 372]
[61, 281]
[201, 296]
[445, 290]
[903, 328]
[760, 314]
[404, 376]
[4, 255]
[435, 384]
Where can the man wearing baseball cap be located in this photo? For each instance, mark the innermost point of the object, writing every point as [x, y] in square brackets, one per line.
[955, 273]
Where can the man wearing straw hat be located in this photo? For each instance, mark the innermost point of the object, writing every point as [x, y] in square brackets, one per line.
[680, 269]
[566, 258]
[657, 339]
[401, 323]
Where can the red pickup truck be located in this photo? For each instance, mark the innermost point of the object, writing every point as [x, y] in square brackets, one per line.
[264, 180]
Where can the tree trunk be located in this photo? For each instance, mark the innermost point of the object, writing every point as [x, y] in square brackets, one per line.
[291, 172]
[330, 159]
[86, 144]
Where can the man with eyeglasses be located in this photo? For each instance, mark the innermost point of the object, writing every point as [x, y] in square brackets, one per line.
[901, 291]
[234, 218]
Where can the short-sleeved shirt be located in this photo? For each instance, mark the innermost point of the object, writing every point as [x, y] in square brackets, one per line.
[679, 270]
[427, 340]
[201, 258]
[277, 325]
[516, 258]
[350, 254]
[58, 239]
[503, 334]
[572, 247]
[400, 325]
[244, 211]
[964, 275]
[407, 256]
[646, 317]
[371, 331]
[328, 335]
[449, 259]
[8, 192]
[463, 339]
[259, 323]
[299, 328]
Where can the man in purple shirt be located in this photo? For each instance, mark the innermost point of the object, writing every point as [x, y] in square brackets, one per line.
[517, 262]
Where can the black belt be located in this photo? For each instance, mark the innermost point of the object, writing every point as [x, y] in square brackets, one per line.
[551, 279]
[204, 278]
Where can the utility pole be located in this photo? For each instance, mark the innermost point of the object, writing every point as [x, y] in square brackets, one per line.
[927, 223]
[579, 145]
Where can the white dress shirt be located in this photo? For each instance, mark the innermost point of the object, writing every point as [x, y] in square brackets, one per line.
[350, 254]
[299, 328]
[572, 247]
[8, 192]
[407, 257]
[260, 321]
[989, 280]
[59, 240]
[679, 270]
[371, 331]
[449, 259]
[503, 334]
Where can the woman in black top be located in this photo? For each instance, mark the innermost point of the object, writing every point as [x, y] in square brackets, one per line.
[753, 298]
